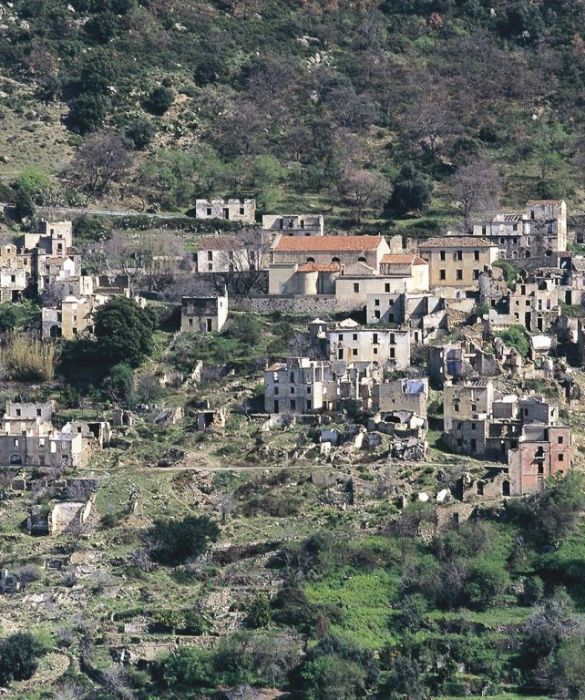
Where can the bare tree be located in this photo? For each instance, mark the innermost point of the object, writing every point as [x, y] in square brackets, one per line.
[53, 294]
[102, 160]
[156, 258]
[429, 117]
[116, 682]
[245, 264]
[363, 189]
[476, 188]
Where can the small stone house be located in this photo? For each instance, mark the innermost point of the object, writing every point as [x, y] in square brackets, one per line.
[350, 342]
[466, 399]
[227, 209]
[299, 385]
[408, 395]
[204, 314]
[294, 224]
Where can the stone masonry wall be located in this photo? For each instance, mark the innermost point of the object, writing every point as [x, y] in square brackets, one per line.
[301, 305]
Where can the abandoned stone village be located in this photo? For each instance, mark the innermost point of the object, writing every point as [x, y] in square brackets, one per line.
[446, 371]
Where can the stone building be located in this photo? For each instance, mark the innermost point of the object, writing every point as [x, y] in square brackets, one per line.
[538, 231]
[28, 438]
[340, 250]
[522, 431]
[542, 452]
[534, 305]
[299, 385]
[457, 261]
[408, 395]
[350, 342]
[408, 267]
[458, 360]
[294, 224]
[404, 308]
[306, 279]
[228, 209]
[466, 400]
[53, 237]
[204, 314]
[73, 316]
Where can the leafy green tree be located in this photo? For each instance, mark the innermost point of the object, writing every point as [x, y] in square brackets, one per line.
[405, 681]
[119, 384]
[332, 678]
[98, 73]
[209, 170]
[90, 228]
[24, 206]
[412, 191]
[557, 512]
[569, 668]
[8, 318]
[510, 272]
[412, 612]
[266, 173]
[337, 668]
[124, 331]
[548, 140]
[102, 27]
[188, 667]
[175, 541]
[32, 180]
[485, 584]
[168, 620]
[159, 100]
[168, 178]
[19, 657]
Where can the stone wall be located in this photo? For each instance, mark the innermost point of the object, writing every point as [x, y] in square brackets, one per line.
[302, 305]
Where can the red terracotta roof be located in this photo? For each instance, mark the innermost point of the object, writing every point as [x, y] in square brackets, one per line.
[332, 244]
[402, 259]
[316, 267]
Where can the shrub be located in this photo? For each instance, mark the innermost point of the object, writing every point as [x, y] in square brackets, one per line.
[159, 100]
[516, 337]
[338, 668]
[259, 612]
[140, 132]
[168, 620]
[25, 359]
[19, 656]
[510, 272]
[485, 584]
[188, 667]
[8, 318]
[88, 112]
[245, 328]
[90, 228]
[179, 540]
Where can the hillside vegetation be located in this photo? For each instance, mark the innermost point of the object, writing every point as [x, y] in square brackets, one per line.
[313, 103]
